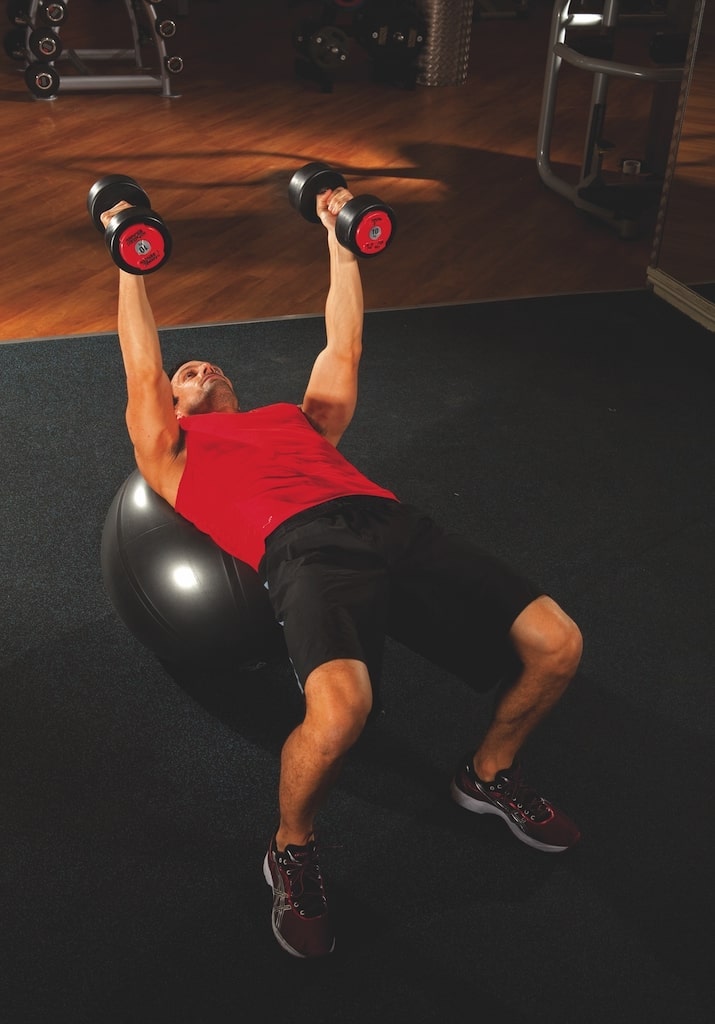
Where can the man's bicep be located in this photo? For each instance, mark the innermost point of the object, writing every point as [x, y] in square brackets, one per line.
[151, 421]
[331, 394]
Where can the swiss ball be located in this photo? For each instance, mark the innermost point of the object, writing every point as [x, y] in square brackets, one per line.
[181, 595]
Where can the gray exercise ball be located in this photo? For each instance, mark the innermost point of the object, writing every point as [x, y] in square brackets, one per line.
[181, 595]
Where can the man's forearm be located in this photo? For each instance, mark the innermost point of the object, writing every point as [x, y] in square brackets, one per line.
[138, 336]
[150, 416]
[344, 306]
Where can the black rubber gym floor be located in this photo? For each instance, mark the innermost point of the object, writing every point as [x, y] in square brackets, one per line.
[572, 435]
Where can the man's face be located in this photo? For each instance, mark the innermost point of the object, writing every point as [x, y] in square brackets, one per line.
[199, 387]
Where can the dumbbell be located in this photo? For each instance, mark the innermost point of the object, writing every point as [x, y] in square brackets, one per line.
[52, 12]
[137, 238]
[43, 80]
[44, 44]
[365, 225]
[18, 12]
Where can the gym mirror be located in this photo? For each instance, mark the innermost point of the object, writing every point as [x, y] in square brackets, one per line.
[682, 265]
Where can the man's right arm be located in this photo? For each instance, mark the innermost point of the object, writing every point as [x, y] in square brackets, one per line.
[151, 421]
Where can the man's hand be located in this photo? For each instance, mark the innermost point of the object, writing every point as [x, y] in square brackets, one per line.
[108, 214]
[328, 205]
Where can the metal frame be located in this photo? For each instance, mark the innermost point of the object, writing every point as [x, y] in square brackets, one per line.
[602, 70]
[86, 81]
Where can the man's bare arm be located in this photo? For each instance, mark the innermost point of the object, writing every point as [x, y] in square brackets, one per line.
[151, 421]
[331, 395]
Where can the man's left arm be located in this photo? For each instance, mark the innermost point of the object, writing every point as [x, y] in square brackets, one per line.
[331, 395]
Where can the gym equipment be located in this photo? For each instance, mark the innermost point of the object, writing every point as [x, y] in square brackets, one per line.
[323, 51]
[392, 30]
[365, 225]
[623, 203]
[444, 60]
[15, 43]
[137, 238]
[52, 12]
[328, 47]
[489, 10]
[174, 64]
[181, 595]
[42, 80]
[393, 35]
[44, 44]
[18, 12]
[165, 27]
[146, 28]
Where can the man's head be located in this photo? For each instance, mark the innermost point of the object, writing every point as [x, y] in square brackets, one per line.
[199, 386]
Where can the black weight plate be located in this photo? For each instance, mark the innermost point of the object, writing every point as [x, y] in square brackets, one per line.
[18, 12]
[165, 27]
[52, 12]
[45, 44]
[42, 80]
[307, 182]
[328, 48]
[110, 190]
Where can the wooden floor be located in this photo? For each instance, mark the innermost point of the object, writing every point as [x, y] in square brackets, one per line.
[475, 223]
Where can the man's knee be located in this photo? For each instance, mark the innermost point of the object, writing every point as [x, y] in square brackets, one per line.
[338, 698]
[544, 634]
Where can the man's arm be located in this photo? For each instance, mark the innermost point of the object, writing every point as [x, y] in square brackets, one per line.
[151, 421]
[331, 395]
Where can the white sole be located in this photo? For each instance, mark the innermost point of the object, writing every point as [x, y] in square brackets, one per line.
[477, 807]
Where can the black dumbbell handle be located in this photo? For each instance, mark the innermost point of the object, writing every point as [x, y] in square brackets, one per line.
[365, 225]
[110, 190]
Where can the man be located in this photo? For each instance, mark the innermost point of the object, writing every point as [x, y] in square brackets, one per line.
[345, 563]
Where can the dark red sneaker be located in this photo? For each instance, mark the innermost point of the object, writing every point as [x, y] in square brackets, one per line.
[531, 818]
[300, 909]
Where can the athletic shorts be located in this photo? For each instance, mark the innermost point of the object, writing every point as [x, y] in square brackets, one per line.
[344, 575]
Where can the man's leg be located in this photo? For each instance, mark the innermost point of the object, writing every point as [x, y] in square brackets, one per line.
[338, 700]
[549, 646]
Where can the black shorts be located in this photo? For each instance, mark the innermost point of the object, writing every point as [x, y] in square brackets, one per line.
[347, 573]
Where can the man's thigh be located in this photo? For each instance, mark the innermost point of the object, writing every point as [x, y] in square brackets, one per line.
[455, 604]
[332, 605]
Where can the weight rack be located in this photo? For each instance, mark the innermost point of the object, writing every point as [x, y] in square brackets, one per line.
[43, 51]
[620, 205]
[391, 32]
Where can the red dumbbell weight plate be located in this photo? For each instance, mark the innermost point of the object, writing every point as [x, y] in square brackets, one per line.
[373, 233]
[139, 243]
[365, 225]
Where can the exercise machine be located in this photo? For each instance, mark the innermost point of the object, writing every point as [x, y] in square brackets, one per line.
[622, 204]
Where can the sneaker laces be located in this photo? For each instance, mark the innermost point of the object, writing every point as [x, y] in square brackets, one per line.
[302, 871]
[512, 785]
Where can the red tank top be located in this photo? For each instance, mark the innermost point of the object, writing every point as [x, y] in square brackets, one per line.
[248, 472]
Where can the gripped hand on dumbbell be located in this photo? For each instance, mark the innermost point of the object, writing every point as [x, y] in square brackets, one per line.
[364, 224]
[107, 215]
[328, 205]
[136, 236]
